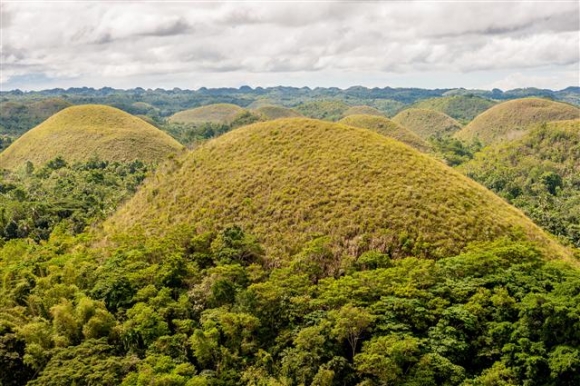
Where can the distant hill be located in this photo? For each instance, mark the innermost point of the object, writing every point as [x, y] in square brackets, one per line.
[427, 123]
[294, 180]
[362, 110]
[463, 108]
[276, 112]
[80, 132]
[388, 128]
[217, 113]
[509, 120]
[328, 110]
[539, 173]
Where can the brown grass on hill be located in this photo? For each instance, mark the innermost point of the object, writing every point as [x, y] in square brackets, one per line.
[427, 123]
[289, 181]
[78, 133]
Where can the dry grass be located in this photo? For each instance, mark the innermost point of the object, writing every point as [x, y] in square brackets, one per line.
[427, 123]
[510, 120]
[216, 113]
[80, 132]
[290, 180]
[387, 128]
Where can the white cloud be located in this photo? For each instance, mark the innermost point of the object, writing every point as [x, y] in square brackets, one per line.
[142, 44]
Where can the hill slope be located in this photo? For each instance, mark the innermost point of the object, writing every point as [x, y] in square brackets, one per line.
[509, 120]
[427, 123]
[388, 128]
[460, 107]
[216, 113]
[276, 112]
[78, 133]
[539, 173]
[290, 181]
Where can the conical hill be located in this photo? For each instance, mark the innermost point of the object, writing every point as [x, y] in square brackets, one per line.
[290, 181]
[79, 133]
[427, 123]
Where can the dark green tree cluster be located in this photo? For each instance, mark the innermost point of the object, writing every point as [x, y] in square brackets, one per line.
[33, 201]
[538, 174]
[208, 309]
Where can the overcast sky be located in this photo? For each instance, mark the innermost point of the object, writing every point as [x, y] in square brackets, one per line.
[229, 44]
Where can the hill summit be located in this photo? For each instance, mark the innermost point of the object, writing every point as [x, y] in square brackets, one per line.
[215, 113]
[78, 133]
[388, 128]
[427, 123]
[510, 120]
[291, 181]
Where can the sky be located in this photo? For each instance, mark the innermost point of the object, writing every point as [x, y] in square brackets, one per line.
[193, 44]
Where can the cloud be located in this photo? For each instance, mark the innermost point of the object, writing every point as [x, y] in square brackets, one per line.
[143, 43]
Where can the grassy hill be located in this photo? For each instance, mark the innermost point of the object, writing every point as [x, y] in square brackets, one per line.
[388, 128]
[79, 133]
[291, 181]
[509, 120]
[326, 109]
[276, 112]
[217, 113]
[427, 123]
[460, 107]
[362, 110]
[539, 173]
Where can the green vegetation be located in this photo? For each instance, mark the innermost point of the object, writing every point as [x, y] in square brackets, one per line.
[291, 181]
[35, 200]
[205, 309]
[427, 123]
[80, 133]
[460, 107]
[18, 117]
[387, 128]
[276, 112]
[362, 110]
[221, 113]
[539, 174]
[510, 120]
[328, 110]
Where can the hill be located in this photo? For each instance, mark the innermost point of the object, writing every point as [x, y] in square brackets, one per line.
[427, 123]
[276, 112]
[291, 181]
[325, 109]
[387, 128]
[79, 133]
[539, 173]
[364, 110]
[460, 107]
[509, 120]
[221, 113]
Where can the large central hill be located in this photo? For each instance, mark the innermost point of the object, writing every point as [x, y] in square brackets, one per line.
[78, 133]
[427, 123]
[461, 107]
[510, 120]
[290, 181]
[388, 128]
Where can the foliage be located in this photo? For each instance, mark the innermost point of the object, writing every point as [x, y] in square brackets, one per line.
[460, 107]
[36, 200]
[204, 309]
[539, 174]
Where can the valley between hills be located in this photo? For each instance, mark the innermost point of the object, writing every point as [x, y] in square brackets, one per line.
[290, 236]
